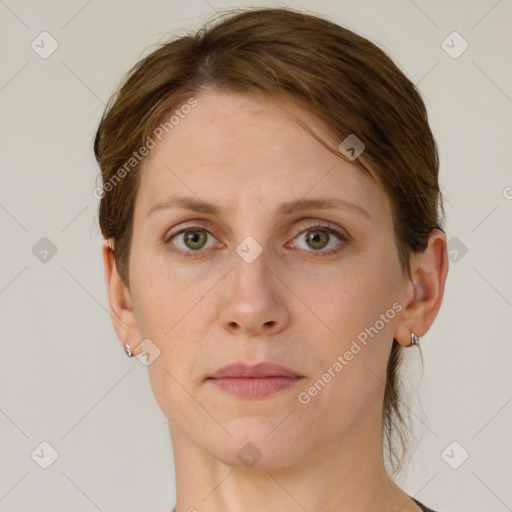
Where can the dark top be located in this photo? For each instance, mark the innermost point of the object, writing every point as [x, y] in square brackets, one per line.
[423, 507]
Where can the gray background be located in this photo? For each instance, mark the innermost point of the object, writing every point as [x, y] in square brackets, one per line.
[64, 378]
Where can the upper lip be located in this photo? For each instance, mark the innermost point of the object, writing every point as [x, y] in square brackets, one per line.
[258, 370]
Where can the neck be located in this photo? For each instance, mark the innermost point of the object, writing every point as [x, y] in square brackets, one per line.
[339, 475]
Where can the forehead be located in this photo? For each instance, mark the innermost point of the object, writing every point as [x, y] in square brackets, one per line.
[245, 150]
[239, 127]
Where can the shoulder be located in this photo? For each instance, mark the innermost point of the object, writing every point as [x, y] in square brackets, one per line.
[423, 507]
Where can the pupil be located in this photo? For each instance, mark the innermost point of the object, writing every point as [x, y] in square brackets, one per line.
[315, 238]
[194, 239]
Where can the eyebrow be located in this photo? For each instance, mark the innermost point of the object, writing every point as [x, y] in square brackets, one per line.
[287, 208]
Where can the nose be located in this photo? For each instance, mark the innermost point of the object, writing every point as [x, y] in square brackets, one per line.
[255, 302]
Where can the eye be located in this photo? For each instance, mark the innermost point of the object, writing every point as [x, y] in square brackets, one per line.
[321, 238]
[190, 239]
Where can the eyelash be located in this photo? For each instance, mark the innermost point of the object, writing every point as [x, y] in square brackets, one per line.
[315, 226]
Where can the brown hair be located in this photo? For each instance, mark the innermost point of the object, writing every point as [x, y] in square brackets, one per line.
[342, 78]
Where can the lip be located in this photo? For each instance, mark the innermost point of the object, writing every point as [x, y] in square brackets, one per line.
[259, 370]
[254, 381]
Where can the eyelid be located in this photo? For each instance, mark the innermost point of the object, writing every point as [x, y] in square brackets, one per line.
[323, 224]
[184, 227]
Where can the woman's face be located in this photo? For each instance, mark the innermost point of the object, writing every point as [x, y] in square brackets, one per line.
[266, 272]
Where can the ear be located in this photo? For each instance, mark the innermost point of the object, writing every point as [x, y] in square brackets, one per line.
[120, 302]
[424, 292]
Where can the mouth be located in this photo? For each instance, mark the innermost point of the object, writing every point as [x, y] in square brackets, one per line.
[254, 381]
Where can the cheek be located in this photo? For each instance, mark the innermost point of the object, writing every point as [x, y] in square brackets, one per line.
[175, 311]
[165, 311]
[164, 294]
[351, 363]
[342, 301]
[357, 305]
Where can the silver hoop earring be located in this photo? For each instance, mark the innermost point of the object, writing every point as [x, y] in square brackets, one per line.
[414, 339]
[128, 350]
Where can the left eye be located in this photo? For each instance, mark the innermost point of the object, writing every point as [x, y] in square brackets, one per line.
[319, 238]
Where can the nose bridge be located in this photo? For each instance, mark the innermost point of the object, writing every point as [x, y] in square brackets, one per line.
[253, 303]
[251, 271]
[251, 255]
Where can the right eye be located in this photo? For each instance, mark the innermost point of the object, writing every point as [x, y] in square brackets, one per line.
[190, 239]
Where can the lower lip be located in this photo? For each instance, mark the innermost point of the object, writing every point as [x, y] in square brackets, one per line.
[254, 387]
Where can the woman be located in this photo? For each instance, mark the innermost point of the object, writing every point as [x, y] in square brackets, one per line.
[273, 243]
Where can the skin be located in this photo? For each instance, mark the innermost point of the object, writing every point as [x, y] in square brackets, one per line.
[291, 305]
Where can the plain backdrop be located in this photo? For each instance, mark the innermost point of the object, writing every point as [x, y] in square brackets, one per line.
[64, 378]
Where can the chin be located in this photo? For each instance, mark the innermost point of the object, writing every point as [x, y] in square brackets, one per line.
[258, 442]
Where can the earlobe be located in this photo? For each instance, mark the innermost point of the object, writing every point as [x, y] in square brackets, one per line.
[120, 301]
[424, 295]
